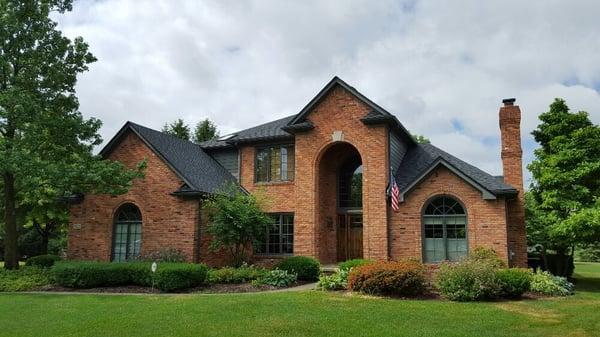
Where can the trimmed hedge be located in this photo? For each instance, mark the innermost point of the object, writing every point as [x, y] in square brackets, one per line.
[235, 275]
[177, 276]
[168, 276]
[307, 268]
[42, 261]
[403, 278]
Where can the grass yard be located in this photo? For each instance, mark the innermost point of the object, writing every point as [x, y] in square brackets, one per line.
[299, 314]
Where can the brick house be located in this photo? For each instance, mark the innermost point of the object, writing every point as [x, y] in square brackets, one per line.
[326, 172]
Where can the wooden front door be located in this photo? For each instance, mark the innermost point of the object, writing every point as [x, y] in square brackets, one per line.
[349, 237]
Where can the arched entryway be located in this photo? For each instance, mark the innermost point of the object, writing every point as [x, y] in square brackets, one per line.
[340, 217]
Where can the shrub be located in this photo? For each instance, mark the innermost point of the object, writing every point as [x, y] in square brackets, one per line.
[337, 281]
[83, 275]
[404, 278]
[172, 255]
[469, 280]
[307, 268]
[42, 261]
[24, 279]
[514, 282]
[235, 275]
[487, 255]
[177, 276]
[347, 265]
[545, 283]
[277, 278]
[168, 276]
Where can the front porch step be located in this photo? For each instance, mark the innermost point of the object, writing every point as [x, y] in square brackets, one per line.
[329, 269]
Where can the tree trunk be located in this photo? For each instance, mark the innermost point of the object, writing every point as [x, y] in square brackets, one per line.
[11, 260]
[44, 249]
[44, 234]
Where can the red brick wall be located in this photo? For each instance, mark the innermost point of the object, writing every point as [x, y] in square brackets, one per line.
[510, 130]
[280, 196]
[167, 221]
[340, 111]
[486, 224]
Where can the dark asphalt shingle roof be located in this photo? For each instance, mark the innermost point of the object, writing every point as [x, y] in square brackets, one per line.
[200, 172]
[268, 131]
[421, 157]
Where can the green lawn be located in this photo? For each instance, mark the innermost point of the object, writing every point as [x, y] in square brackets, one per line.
[299, 314]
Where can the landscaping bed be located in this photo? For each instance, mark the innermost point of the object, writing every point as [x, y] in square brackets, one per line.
[48, 273]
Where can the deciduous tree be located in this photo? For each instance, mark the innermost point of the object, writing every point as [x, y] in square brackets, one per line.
[236, 222]
[45, 143]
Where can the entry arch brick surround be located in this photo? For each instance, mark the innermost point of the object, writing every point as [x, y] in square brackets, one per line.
[341, 111]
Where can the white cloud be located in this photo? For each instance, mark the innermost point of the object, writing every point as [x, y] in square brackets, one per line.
[441, 67]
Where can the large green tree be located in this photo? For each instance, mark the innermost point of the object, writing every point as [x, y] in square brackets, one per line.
[45, 143]
[205, 130]
[563, 205]
[178, 129]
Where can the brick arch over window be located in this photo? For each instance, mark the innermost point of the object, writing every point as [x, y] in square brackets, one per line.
[127, 233]
[444, 223]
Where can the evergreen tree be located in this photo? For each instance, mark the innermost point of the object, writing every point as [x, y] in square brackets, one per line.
[563, 208]
[178, 129]
[205, 130]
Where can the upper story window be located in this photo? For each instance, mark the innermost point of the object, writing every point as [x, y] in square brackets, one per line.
[350, 183]
[274, 163]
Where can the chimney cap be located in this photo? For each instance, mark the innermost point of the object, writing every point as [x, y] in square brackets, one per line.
[509, 101]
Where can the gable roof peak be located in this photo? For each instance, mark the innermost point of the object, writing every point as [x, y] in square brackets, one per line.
[198, 171]
[377, 115]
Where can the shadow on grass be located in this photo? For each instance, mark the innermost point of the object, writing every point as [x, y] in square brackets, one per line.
[587, 277]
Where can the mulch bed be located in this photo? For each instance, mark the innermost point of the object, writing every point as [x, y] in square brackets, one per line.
[207, 289]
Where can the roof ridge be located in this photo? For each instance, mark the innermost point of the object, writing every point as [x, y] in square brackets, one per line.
[165, 134]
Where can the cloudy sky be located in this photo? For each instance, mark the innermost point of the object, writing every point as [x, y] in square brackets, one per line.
[442, 67]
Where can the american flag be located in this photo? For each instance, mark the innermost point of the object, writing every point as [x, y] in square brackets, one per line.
[394, 192]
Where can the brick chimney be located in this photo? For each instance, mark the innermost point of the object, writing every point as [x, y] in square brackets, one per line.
[512, 166]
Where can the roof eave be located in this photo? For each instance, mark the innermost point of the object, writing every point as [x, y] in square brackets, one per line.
[260, 139]
[299, 127]
[485, 193]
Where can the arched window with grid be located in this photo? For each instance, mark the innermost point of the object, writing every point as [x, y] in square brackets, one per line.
[127, 233]
[444, 230]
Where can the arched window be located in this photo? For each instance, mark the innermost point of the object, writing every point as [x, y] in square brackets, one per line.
[444, 230]
[350, 183]
[127, 234]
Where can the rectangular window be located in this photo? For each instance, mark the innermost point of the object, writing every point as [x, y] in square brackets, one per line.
[279, 237]
[274, 163]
